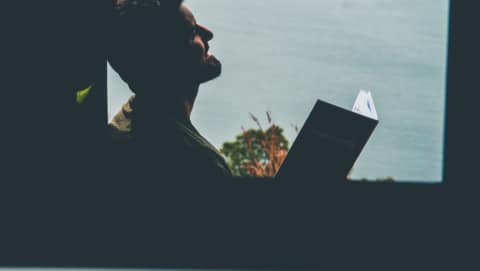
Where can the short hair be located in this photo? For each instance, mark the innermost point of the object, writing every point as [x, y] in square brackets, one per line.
[140, 41]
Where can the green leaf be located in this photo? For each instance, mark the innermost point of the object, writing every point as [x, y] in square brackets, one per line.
[82, 94]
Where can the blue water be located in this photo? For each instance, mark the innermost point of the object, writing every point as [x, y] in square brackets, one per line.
[282, 55]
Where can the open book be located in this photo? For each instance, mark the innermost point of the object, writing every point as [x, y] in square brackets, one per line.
[331, 140]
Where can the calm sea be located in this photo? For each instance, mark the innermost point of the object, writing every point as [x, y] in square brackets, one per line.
[281, 56]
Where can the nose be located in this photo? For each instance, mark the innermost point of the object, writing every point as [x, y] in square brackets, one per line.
[205, 33]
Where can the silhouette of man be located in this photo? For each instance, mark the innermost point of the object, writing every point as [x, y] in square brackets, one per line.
[163, 55]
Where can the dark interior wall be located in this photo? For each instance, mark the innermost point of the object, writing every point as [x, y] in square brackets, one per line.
[50, 50]
[461, 116]
[57, 210]
[462, 134]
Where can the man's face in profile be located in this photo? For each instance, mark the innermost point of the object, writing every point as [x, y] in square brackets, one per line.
[205, 66]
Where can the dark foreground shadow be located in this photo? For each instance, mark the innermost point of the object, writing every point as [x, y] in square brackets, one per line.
[238, 223]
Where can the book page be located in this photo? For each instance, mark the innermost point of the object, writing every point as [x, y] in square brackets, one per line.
[364, 105]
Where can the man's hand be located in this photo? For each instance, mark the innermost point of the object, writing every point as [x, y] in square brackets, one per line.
[150, 3]
[171, 3]
[128, 6]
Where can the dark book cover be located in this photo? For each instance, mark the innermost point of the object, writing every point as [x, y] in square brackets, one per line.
[328, 144]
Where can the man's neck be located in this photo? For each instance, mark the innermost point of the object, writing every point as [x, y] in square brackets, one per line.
[190, 100]
[179, 109]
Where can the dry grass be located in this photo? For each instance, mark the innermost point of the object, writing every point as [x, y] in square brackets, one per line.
[271, 144]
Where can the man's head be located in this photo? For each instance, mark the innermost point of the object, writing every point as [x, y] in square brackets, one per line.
[153, 45]
[205, 65]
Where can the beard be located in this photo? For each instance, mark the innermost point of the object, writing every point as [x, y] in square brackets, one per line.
[208, 69]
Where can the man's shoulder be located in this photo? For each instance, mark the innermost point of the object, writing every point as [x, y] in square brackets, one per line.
[207, 155]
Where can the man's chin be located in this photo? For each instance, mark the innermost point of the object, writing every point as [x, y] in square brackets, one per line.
[210, 69]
